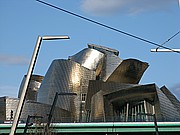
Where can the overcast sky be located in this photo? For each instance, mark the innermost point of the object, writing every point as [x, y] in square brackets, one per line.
[22, 21]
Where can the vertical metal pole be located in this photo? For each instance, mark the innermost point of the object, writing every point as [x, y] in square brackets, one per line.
[145, 109]
[54, 105]
[127, 112]
[26, 127]
[155, 120]
[135, 113]
[153, 109]
[52, 110]
[155, 123]
[24, 90]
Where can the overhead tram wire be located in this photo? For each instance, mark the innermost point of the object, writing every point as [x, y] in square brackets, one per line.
[171, 38]
[106, 26]
[168, 40]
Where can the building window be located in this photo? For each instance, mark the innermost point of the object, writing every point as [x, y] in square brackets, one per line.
[83, 97]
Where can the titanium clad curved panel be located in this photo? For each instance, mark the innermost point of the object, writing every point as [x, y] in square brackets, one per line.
[97, 107]
[34, 85]
[111, 62]
[65, 76]
[171, 97]
[58, 79]
[168, 110]
[88, 58]
[129, 71]
[34, 109]
[38, 109]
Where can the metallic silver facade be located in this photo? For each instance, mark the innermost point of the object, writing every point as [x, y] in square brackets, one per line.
[33, 87]
[66, 76]
[171, 97]
[169, 111]
[110, 62]
[111, 101]
[88, 58]
[129, 71]
[33, 108]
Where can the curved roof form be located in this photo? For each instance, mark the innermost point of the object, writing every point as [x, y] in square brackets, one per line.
[89, 58]
[129, 71]
[33, 87]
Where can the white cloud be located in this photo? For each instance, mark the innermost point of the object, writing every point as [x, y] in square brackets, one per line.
[108, 7]
[13, 60]
[101, 6]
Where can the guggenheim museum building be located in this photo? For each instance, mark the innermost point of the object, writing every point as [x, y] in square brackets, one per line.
[106, 89]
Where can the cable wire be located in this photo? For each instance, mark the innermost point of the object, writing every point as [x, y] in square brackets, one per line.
[106, 26]
[168, 40]
[171, 38]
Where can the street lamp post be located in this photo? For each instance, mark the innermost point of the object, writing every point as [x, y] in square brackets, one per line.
[54, 105]
[154, 118]
[27, 80]
[165, 50]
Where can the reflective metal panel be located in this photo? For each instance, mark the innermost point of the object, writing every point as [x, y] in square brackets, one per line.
[66, 76]
[34, 85]
[129, 71]
[111, 62]
[88, 58]
[169, 111]
[171, 97]
[33, 108]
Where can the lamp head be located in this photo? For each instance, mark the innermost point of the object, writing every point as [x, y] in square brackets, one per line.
[55, 37]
